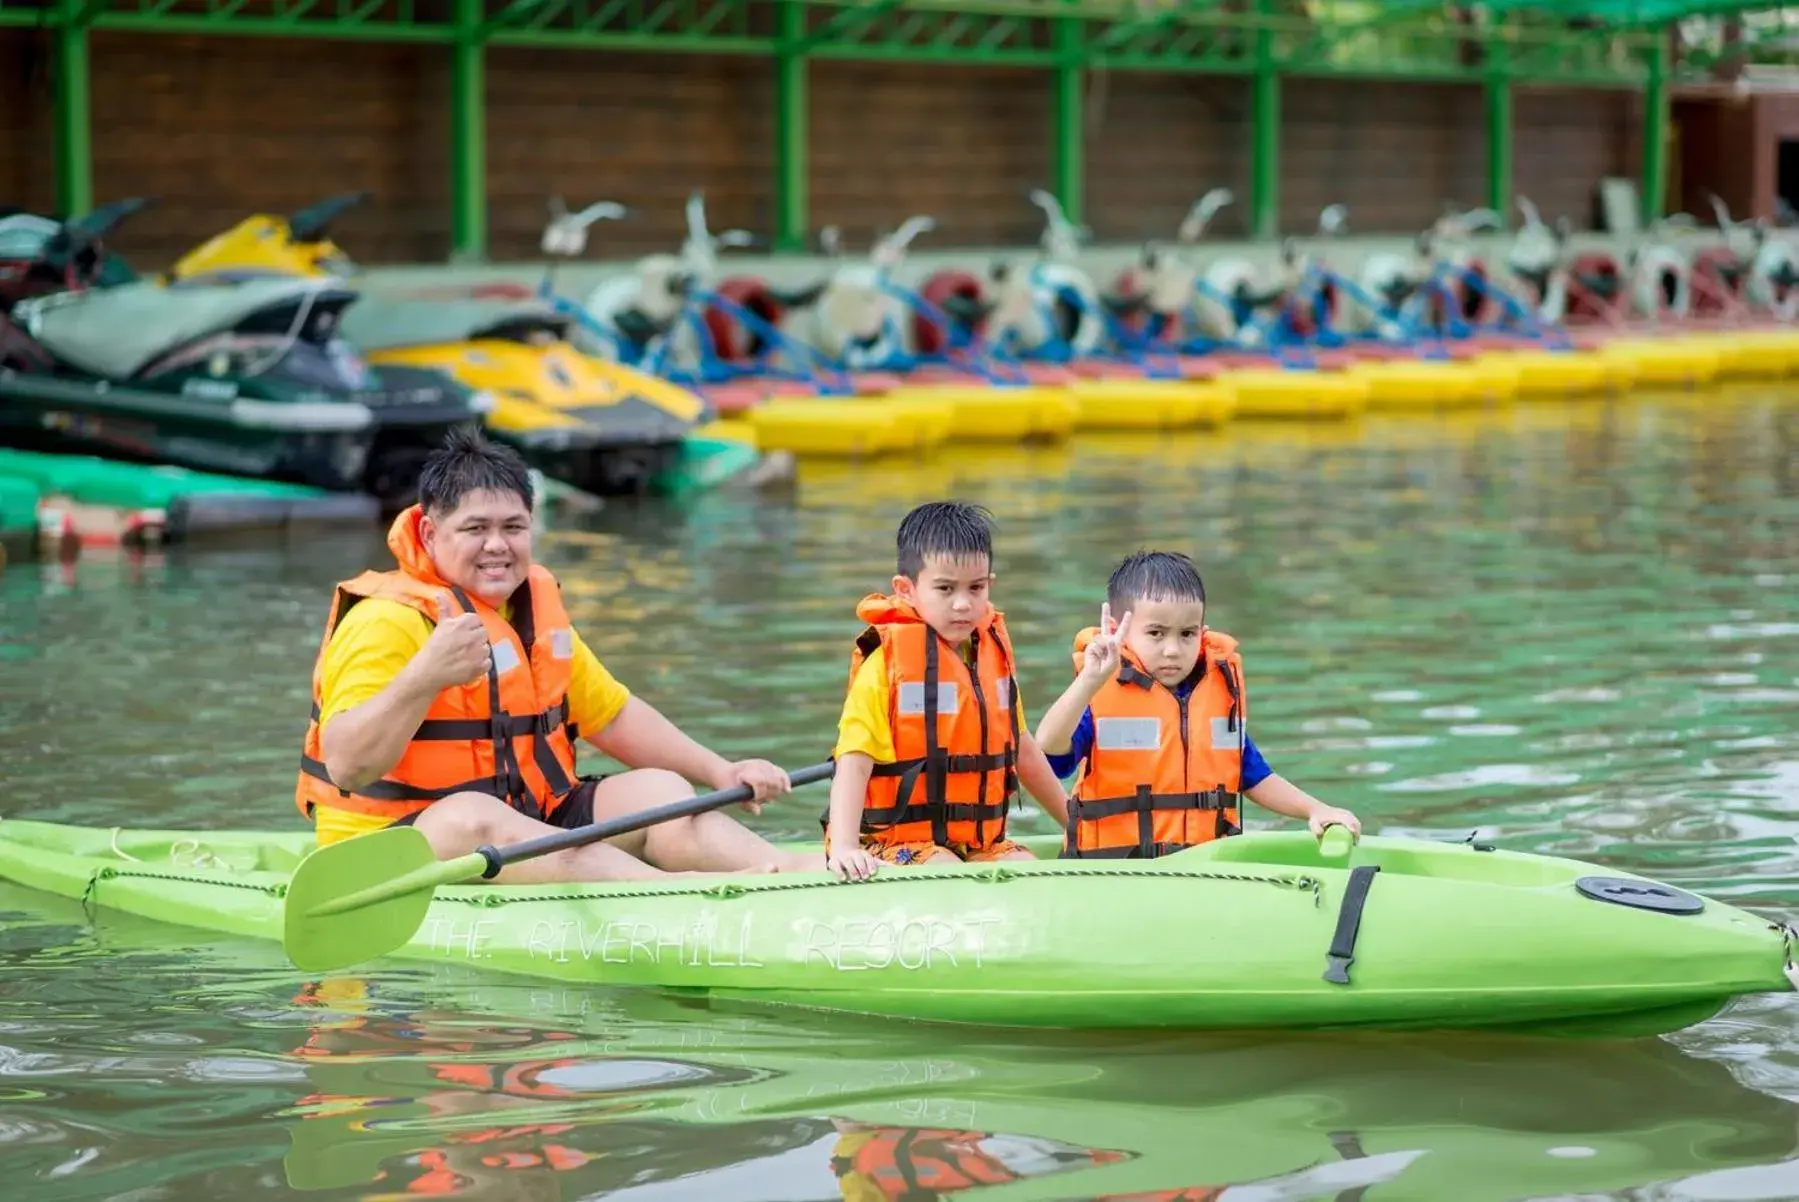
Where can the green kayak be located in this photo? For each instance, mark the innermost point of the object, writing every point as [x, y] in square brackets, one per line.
[1265, 930]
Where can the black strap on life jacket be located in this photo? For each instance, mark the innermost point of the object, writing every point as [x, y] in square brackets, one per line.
[501, 729]
[936, 766]
[1146, 804]
[392, 790]
[524, 621]
[509, 778]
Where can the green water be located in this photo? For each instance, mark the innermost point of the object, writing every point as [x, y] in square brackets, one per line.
[1572, 628]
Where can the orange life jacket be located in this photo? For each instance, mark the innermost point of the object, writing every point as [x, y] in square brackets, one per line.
[966, 755]
[913, 1162]
[515, 1080]
[1164, 772]
[554, 1156]
[508, 735]
[440, 1180]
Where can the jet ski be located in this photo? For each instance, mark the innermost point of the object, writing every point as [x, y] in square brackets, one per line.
[598, 425]
[250, 377]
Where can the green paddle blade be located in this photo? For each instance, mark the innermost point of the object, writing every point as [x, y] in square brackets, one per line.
[322, 942]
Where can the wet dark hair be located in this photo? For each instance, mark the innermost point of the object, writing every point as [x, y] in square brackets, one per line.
[1154, 576]
[468, 463]
[953, 529]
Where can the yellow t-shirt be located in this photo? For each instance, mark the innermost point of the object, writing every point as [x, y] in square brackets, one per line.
[865, 725]
[377, 638]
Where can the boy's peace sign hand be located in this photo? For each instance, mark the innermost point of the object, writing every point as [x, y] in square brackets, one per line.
[1101, 657]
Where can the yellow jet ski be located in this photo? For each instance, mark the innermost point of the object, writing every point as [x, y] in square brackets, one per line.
[601, 426]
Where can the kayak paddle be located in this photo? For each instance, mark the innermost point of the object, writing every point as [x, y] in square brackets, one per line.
[363, 897]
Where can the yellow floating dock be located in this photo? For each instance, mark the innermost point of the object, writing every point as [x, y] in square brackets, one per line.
[926, 421]
[1279, 394]
[1751, 354]
[1562, 373]
[1151, 404]
[983, 413]
[835, 426]
[1496, 380]
[1674, 360]
[919, 418]
[1410, 385]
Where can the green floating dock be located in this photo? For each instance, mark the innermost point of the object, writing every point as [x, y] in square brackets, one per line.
[18, 505]
[193, 502]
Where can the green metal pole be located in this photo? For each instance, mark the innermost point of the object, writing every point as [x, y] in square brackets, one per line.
[468, 136]
[1499, 143]
[73, 119]
[792, 132]
[1265, 132]
[1655, 131]
[1068, 132]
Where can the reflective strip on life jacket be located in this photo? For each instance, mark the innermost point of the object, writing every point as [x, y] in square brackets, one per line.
[470, 739]
[1148, 784]
[955, 731]
[502, 732]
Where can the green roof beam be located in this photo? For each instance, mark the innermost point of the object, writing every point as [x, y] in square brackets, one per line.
[848, 22]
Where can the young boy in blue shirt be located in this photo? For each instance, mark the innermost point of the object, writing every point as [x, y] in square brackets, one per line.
[1155, 721]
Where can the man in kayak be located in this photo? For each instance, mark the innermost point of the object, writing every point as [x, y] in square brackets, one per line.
[930, 747]
[1156, 719]
[449, 695]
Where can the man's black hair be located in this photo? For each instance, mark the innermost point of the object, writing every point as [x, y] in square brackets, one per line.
[468, 463]
[953, 529]
[1154, 576]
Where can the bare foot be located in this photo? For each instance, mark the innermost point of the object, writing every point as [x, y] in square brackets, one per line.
[756, 870]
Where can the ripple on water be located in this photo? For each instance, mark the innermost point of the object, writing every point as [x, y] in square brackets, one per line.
[1752, 630]
[1567, 696]
[1460, 713]
[1483, 776]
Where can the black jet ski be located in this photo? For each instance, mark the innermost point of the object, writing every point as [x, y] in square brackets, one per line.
[250, 377]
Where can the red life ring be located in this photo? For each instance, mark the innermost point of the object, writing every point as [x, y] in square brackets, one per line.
[730, 339]
[1586, 305]
[928, 338]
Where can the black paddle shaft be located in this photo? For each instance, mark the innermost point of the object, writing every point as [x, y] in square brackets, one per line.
[498, 857]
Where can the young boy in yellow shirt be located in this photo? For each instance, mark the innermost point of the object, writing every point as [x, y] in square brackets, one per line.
[1156, 721]
[932, 746]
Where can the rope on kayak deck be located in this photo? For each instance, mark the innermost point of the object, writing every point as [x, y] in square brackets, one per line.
[276, 889]
[119, 851]
[730, 889]
[726, 890]
[199, 857]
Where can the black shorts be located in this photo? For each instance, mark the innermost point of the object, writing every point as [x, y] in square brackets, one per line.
[576, 811]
